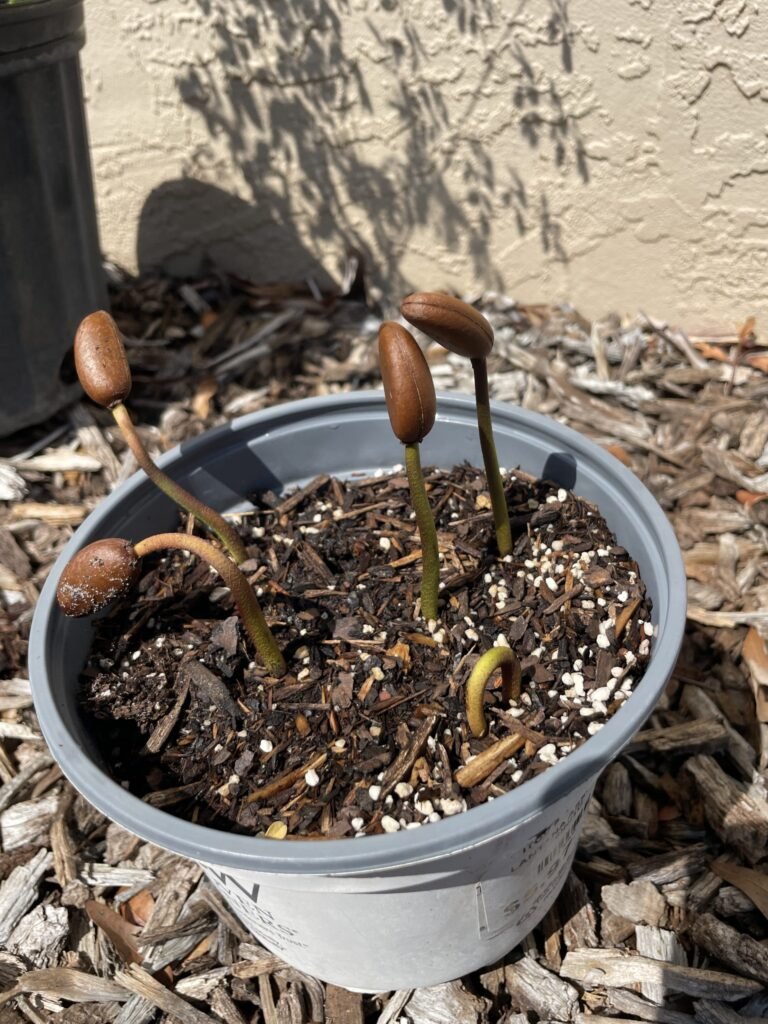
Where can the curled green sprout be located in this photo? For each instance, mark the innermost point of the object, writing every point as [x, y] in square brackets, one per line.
[485, 666]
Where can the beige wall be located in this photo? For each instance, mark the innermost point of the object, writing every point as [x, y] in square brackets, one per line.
[609, 152]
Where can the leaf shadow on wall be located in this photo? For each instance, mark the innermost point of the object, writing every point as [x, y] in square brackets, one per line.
[287, 107]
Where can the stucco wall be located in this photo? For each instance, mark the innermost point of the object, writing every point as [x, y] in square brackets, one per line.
[611, 153]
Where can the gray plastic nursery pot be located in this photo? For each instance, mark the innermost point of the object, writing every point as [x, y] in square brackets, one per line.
[417, 907]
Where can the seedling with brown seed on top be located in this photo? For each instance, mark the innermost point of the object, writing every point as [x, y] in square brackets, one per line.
[108, 569]
[411, 403]
[459, 327]
[104, 374]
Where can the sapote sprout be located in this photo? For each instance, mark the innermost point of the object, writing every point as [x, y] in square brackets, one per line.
[411, 403]
[485, 666]
[105, 376]
[108, 569]
[460, 328]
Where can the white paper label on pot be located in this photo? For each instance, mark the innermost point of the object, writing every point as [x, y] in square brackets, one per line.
[539, 865]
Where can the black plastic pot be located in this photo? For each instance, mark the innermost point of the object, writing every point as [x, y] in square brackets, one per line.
[50, 264]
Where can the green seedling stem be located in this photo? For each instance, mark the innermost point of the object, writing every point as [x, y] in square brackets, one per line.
[242, 592]
[207, 516]
[485, 666]
[430, 561]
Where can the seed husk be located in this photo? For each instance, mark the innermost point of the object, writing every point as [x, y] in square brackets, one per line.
[100, 360]
[408, 387]
[456, 325]
[97, 575]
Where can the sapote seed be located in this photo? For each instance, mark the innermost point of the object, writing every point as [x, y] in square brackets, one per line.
[461, 329]
[96, 575]
[100, 360]
[458, 326]
[411, 403]
[109, 568]
[408, 387]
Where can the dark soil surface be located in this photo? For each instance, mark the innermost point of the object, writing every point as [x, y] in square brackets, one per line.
[367, 730]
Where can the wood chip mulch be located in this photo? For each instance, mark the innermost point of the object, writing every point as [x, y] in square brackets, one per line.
[664, 917]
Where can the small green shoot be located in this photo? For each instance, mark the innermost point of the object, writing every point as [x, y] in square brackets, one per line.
[485, 666]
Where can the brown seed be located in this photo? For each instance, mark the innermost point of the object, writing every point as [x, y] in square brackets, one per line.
[97, 575]
[100, 361]
[455, 324]
[408, 386]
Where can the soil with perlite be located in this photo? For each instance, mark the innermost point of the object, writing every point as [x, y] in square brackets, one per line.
[367, 732]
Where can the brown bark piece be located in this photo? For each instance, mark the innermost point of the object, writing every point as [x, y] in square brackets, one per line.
[533, 987]
[698, 736]
[659, 944]
[405, 760]
[480, 768]
[596, 834]
[708, 1011]
[343, 1007]
[614, 967]
[449, 1003]
[741, 952]
[165, 726]
[671, 867]
[614, 930]
[135, 979]
[624, 1001]
[753, 884]
[67, 983]
[639, 902]
[616, 793]
[741, 820]
[577, 914]
[699, 704]
[224, 1007]
[553, 935]
[20, 890]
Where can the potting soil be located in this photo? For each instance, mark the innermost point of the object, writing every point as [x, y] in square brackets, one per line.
[367, 731]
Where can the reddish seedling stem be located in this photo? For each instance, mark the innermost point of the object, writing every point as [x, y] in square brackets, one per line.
[226, 533]
[490, 459]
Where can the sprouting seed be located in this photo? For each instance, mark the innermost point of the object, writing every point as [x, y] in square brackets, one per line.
[411, 404]
[108, 569]
[460, 328]
[104, 374]
[497, 657]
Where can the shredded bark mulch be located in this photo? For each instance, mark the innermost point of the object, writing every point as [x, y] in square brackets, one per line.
[663, 917]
